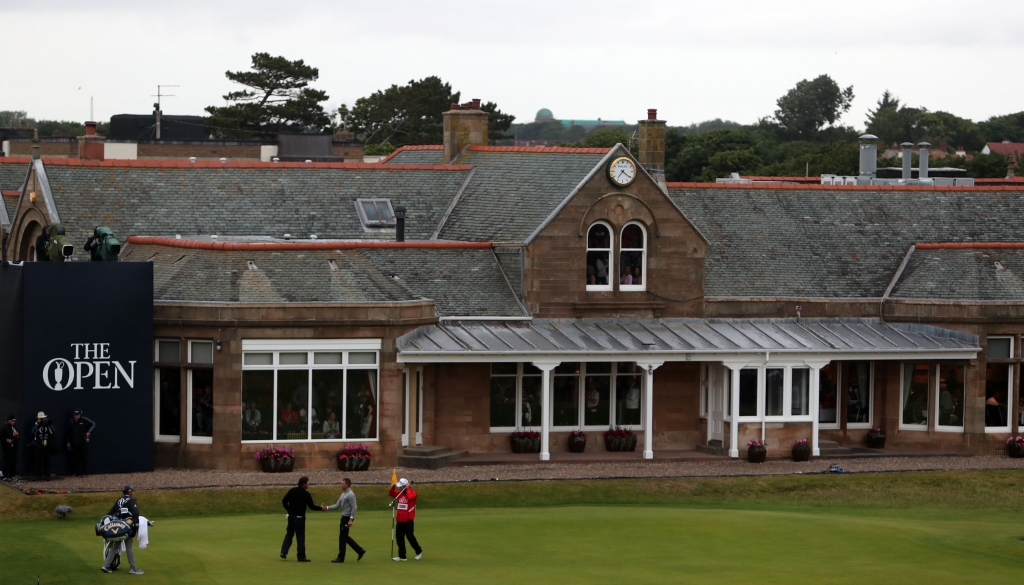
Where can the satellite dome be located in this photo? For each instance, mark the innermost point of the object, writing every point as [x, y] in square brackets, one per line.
[545, 114]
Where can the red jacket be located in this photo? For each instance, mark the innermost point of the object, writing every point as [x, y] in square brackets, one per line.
[406, 504]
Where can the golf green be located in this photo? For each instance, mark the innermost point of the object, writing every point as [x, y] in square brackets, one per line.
[585, 544]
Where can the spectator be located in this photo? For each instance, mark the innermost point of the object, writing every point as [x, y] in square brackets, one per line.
[332, 430]
[289, 417]
[636, 275]
[42, 242]
[627, 277]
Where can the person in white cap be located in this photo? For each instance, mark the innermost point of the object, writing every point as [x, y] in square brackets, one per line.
[42, 437]
[405, 514]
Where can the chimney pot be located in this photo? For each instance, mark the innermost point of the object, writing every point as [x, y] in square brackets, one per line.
[476, 103]
[90, 128]
[455, 106]
[400, 223]
[652, 113]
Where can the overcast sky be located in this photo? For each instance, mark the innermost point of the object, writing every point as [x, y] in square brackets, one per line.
[599, 58]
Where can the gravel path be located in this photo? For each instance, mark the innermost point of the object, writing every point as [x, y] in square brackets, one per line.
[196, 478]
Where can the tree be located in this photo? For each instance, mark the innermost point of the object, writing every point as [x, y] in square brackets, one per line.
[407, 114]
[999, 128]
[988, 166]
[606, 138]
[277, 99]
[498, 122]
[15, 119]
[806, 108]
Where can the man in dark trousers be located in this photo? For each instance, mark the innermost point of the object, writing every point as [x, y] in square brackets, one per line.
[42, 438]
[125, 508]
[347, 503]
[79, 430]
[296, 501]
[9, 442]
[405, 513]
[43, 242]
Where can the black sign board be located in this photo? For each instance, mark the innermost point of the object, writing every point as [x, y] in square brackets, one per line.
[87, 331]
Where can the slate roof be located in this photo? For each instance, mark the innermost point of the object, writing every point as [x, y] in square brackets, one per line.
[430, 154]
[621, 337]
[461, 282]
[513, 190]
[963, 275]
[835, 243]
[12, 175]
[246, 200]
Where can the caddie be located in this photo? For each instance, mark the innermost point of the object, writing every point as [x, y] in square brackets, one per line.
[405, 514]
[127, 509]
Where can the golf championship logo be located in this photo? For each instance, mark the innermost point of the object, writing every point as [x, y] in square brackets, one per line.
[92, 368]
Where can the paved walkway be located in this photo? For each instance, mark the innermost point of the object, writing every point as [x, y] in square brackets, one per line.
[524, 470]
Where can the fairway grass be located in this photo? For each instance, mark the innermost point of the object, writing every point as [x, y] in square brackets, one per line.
[738, 538]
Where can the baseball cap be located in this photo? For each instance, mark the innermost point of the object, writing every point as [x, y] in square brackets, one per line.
[402, 483]
[11, 417]
[78, 411]
[127, 489]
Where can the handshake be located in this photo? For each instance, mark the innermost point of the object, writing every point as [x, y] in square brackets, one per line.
[323, 507]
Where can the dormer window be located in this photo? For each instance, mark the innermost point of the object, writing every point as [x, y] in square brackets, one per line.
[633, 258]
[375, 213]
[599, 256]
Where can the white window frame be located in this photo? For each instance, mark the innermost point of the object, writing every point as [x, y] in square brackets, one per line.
[1009, 389]
[188, 401]
[871, 396]
[157, 437]
[419, 405]
[311, 346]
[762, 394]
[612, 278]
[406, 405]
[372, 224]
[932, 370]
[643, 251]
[612, 399]
[519, 375]
[935, 412]
[705, 389]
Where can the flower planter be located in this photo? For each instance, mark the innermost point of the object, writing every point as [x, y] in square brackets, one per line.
[354, 463]
[618, 444]
[525, 444]
[577, 443]
[801, 453]
[277, 465]
[876, 442]
[1015, 450]
[757, 454]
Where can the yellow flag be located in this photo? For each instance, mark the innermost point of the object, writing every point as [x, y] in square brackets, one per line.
[394, 476]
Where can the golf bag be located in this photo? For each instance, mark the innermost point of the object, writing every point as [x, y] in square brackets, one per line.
[114, 531]
[117, 558]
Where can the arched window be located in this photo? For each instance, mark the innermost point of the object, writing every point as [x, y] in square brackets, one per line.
[633, 258]
[600, 270]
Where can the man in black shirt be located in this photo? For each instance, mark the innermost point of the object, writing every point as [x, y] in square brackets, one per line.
[124, 508]
[296, 501]
[42, 242]
[79, 430]
[9, 442]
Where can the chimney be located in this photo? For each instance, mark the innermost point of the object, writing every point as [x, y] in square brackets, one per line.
[400, 223]
[464, 125]
[922, 153]
[908, 152]
[90, 146]
[652, 147]
[869, 156]
[35, 144]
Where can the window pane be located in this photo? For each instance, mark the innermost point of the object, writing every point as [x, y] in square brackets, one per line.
[915, 394]
[328, 388]
[361, 404]
[597, 405]
[370, 210]
[170, 401]
[531, 401]
[202, 403]
[327, 358]
[292, 359]
[168, 351]
[828, 394]
[503, 401]
[627, 400]
[362, 357]
[627, 368]
[858, 392]
[568, 368]
[631, 266]
[774, 392]
[998, 347]
[800, 392]
[258, 359]
[506, 369]
[597, 267]
[384, 211]
[599, 367]
[531, 369]
[951, 396]
[997, 385]
[632, 237]
[599, 237]
[202, 352]
[292, 396]
[257, 405]
[748, 392]
[566, 401]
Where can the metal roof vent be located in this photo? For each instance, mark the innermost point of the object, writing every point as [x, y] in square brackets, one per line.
[922, 152]
[999, 266]
[287, 236]
[191, 159]
[868, 155]
[908, 151]
[252, 265]
[331, 264]
[223, 160]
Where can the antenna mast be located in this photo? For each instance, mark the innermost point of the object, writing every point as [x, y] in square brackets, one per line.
[157, 112]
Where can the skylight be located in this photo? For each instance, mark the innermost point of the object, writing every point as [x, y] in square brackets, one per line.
[375, 213]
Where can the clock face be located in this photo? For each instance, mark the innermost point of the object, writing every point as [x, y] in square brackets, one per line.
[622, 171]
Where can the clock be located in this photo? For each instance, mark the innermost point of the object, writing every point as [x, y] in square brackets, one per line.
[621, 171]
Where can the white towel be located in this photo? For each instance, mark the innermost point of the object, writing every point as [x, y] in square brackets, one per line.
[143, 535]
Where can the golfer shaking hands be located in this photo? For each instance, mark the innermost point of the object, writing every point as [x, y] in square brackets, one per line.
[347, 503]
[405, 513]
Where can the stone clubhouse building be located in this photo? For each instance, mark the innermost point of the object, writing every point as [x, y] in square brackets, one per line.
[453, 294]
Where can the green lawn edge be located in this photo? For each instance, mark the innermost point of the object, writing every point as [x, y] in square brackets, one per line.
[937, 491]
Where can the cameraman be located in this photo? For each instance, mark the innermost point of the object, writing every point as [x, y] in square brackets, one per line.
[92, 246]
[43, 242]
[9, 441]
[80, 428]
[124, 508]
[42, 438]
